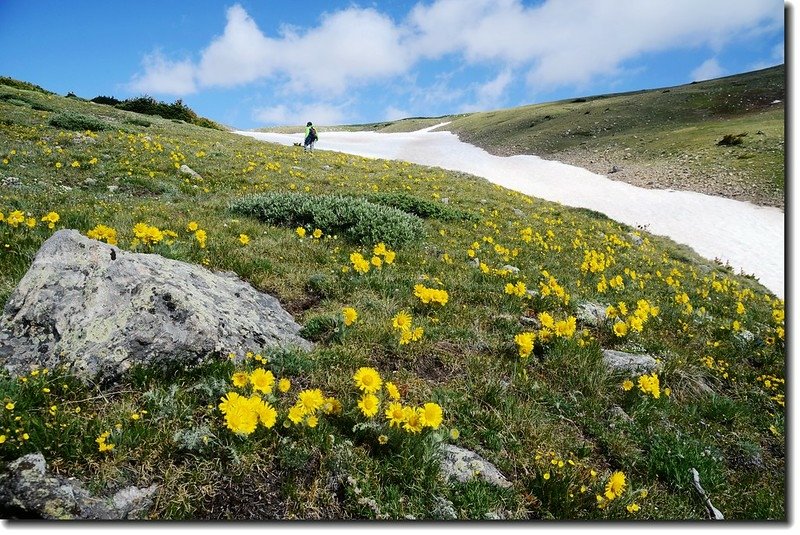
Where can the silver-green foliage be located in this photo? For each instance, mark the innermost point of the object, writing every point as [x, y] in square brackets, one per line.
[354, 219]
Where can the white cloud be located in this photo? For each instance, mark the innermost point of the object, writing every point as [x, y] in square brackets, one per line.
[709, 69]
[164, 76]
[394, 114]
[556, 42]
[319, 113]
[241, 54]
[490, 95]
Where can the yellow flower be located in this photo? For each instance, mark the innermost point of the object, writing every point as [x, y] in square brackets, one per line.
[368, 380]
[262, 380]
[412, 419]
[192, 226]
[296, 413]
[10, 405]
[454, 434]
[317, 233]
[395, 414]
[431, 415]
[383, 439]
[620, 328]
[59, 165]
[284, 385]
[615, 485]
[350, 315]
[392, 390]
[244, 239]
[632, 508]
[51, 219]
[376, 261]
[201, 236]
[240, 379]
[312, 420]
[360, 264]
[310, 400]
[402, 321]
[103, 233]
[430, 295]
[649, 384]
[546, 476]
[627, 384]
[2, 439]
[300, 232]
[525, 344]
[369, 405]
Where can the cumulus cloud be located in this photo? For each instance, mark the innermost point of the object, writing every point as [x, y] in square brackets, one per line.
[299, 114]
[164, 76]
[709, 69]
[550, 44]
[394, 114]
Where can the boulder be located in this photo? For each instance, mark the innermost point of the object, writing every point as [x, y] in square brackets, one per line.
[101, 310]
[27, 490]
[591, 313]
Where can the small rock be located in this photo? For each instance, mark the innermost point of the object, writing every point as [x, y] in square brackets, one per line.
[512, 269]
[635, 239]
[186, 170]
[620, 361]
[445, 200]
[112, 188]
[464, 465]
[518, 212]
[443, 509]
[89, 182]
[11, 182]
[591, 313]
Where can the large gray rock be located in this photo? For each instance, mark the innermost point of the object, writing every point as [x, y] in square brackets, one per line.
[27, 490]
[101, 310]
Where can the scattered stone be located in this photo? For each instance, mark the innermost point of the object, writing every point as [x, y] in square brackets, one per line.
[591, 313]
[80, 138]
[101, 310]
[443, 509]
[89, 182]
[635, 239]
[518, 212]
[512, 269]
[614, 169]
[112, 188]
[464, 465]
[618, 413]
[186, 170]
[619, 361]
[11, 182]
[530, 321]
[27, 490]
[445, 200]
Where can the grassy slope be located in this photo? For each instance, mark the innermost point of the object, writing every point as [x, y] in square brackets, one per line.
[677, 128]
[550, 422]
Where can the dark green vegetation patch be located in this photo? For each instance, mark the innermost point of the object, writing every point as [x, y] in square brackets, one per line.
[356, 220]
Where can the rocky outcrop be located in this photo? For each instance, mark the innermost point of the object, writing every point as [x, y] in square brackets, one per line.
[101, 310]
[28, 491]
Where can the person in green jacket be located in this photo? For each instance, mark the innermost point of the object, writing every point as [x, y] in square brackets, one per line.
[311, 137]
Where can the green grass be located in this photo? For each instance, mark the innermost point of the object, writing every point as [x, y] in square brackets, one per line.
[724, 415]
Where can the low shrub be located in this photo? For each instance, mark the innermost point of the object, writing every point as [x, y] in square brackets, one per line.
[730, 140]
[354, 219]
[420, 207]
[139, 122]
[102, 99]
[78, 122]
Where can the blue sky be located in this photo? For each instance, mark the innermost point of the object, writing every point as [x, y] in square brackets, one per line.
[250, 63]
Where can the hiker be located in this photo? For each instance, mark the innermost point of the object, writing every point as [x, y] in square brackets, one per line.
[311, 137]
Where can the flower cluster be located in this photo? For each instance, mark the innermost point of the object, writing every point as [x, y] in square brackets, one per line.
[146, 234]
[519, 289]
[103, 233]
[430, 295]
[102, 445]
[412, 419]
[403, 322]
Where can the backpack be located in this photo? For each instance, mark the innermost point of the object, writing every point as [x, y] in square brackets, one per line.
[313, 134]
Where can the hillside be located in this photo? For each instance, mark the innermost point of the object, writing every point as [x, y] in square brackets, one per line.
[498, 308]
[661, 138]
